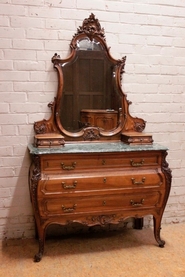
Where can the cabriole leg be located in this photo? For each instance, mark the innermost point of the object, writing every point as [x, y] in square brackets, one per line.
[157, 230]
[38, 256]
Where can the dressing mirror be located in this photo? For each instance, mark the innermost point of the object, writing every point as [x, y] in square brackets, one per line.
[90, 103]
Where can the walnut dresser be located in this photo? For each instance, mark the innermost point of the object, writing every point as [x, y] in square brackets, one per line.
[94, 175]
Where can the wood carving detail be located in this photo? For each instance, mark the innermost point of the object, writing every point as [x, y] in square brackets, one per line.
[47, 126]
[91, 133]
[167, 173]
[91, 27]
[36, 176]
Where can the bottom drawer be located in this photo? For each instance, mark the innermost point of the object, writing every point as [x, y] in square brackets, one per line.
[88, 204]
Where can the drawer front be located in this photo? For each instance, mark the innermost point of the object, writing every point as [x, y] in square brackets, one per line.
[70, 163]
[76, 205]
[105, 181]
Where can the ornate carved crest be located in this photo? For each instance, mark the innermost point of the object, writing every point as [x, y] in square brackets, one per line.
[91, 133]
[90, 27]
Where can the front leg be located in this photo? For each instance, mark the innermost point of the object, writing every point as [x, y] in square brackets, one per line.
[38, 256]
[157, 230]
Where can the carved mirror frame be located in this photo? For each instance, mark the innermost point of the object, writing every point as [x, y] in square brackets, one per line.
[52, 129]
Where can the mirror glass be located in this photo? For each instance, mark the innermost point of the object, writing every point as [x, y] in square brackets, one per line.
[89, 96]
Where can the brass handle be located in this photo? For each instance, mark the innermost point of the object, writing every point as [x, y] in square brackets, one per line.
[69, 209]
[136, 204]
[139, 182]
[68, 167]
[69, 186]
[137, 164]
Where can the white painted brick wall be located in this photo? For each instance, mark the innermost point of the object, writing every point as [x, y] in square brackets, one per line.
[152, 35]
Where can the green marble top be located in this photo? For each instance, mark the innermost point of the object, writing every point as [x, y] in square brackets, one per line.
[93, 147]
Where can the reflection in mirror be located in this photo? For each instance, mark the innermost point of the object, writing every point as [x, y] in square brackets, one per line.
[87, 44]
[89, 98]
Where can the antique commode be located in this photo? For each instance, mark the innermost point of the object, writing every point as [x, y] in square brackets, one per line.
[91, 163]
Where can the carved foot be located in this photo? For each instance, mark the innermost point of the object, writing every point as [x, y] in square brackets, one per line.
[38, 257]
[161, 243]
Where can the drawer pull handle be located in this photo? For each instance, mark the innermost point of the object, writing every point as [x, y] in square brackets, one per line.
[136, 204]
[68, 167]
[69, 209]
[73, 186]
[134, 182]
[137, 164]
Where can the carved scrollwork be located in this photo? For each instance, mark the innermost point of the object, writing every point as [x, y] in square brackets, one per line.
[46, 126]
[121, 64]
[36, 175]
[90, 27]
[167, 171]
[91, 133]
[139, 126]
[102, 219]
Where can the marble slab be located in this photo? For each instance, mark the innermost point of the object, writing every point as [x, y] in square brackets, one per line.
[94, 148]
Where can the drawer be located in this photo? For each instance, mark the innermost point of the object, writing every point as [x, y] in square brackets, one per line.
[90, 204]
[104, 181]
[71, 162]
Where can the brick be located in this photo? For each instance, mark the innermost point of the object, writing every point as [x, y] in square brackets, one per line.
[56, 46]
[8, 181]
[29, 65]
[45, 55]
[4, 21]
[7, 172]
[28, 2]
[13, 97]
[7, 32]
[95, 4]
[25, 87]
[44, 97]
[43, 12]
[43, 76]
[6, 151]
[26, 108]
[11, 161]
[5, 86]
[5, 43]
[23, 131]
[13, 119]
[6, 65]
[4, 108]
[4, 192]
[32, 33]
[61, 4]
[10, 9]
[20, 55]
[28, 44]
[60, 24]
[19, 21]
[14, 76]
